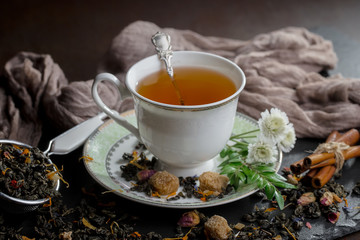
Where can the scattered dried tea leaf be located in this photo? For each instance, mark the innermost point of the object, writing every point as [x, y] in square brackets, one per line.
[87, 158]
[87, 224]
[26, 238]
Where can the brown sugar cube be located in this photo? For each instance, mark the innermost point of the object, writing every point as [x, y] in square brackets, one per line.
[164, 183]
[217, 228]
[213, 181]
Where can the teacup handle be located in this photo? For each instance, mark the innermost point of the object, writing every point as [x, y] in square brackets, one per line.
[110, 112]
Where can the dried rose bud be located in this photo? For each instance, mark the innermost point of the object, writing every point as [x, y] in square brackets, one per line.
[145, 174]
[306, 199]
[189, 219]
[308, 225]
[333, 217]
[327, 199]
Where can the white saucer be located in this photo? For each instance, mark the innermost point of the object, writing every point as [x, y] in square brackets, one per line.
[110, 141]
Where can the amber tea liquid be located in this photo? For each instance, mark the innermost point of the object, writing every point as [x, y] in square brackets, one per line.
[197, 86]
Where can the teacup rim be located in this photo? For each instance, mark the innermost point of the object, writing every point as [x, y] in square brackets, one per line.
[190, 107]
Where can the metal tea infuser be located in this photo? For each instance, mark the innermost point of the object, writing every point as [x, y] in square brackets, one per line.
[60, 145]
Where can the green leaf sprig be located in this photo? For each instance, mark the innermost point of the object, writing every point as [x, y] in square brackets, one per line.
[241, 172]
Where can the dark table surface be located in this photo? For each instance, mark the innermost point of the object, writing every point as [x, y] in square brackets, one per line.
[77, 36]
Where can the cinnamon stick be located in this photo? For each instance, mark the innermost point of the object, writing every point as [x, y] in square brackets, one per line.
[327, 162]
[316, 158]
[352, 152]
[297, 167]
[306, 180]
[326, 173]
[348, 154]
[303, 165]
[322, 166]
[323, 176]
[350, 138]
[333, 136]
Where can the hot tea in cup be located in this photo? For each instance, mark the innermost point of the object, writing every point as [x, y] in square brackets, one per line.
[184, 137]
[196, 86]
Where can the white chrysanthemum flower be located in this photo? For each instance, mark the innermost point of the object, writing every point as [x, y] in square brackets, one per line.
[261, 151]
[288, 142]
[273, 124]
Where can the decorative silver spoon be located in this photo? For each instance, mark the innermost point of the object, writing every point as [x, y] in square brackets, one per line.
[162, 45]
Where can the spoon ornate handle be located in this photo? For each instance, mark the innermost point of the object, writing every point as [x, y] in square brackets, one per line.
[162, 45]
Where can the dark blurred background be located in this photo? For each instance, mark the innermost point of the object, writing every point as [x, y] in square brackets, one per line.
[78, 33]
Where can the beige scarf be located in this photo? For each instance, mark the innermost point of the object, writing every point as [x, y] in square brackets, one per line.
[282, 70]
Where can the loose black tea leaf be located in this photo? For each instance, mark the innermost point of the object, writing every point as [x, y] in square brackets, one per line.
[94, 217]
[26, 173]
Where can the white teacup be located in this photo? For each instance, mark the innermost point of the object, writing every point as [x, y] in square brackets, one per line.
[185, 138]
